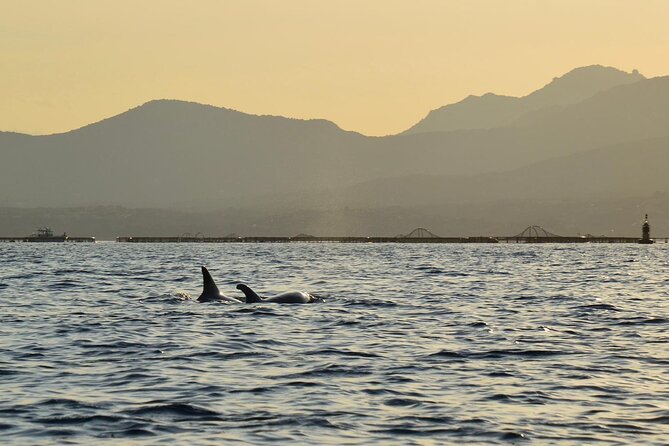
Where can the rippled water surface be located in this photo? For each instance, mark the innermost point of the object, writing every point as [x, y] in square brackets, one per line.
[413, 344]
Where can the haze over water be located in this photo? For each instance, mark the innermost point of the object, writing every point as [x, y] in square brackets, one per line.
[413, 344]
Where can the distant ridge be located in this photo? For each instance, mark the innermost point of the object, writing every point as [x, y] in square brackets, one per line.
[187, 113]
[276, 175]
[178, 154]
[491, 110]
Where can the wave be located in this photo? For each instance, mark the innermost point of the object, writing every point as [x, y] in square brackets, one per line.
[133, 432]
[645, 321]
[80, 419]
[660, 419]
[175, 410]
[405, 402]
[260, 311]
[218, 356]
[70, 404]
[498, 354]
[374, 303]
[330, 370]
[607, 307]
[339, 352]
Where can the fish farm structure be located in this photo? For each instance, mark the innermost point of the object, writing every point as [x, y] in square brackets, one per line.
[531, 234]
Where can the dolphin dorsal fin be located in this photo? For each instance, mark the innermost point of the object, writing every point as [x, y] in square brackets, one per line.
[209, 287]
[251, 296]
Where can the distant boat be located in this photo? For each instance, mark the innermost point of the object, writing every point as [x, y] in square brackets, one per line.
[45, 235]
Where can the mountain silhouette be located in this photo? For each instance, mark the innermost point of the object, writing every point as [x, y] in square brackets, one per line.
[593, 141]
[491, 110]
[623, 170]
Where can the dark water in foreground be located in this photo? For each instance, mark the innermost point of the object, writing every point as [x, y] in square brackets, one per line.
[414, 344]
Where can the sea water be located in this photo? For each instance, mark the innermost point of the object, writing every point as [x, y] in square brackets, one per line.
[412, 344]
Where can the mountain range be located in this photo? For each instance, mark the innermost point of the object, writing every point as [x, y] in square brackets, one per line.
[491, 110]
[592, 139]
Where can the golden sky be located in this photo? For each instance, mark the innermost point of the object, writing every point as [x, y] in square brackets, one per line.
[373, 66]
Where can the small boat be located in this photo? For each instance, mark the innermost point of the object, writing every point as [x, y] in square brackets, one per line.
[45, 235]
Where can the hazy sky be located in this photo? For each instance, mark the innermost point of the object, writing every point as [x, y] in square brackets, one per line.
[374, 66]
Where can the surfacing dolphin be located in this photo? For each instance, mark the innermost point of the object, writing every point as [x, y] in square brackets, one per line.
[210, 291]
[293, 297]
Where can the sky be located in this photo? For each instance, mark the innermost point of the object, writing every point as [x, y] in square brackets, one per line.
[372, 66]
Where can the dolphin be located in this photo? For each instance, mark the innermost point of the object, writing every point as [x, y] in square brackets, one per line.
[210, 291]
[293, 297]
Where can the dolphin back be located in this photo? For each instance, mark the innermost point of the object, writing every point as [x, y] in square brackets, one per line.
[251, 296]
[294, 297]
